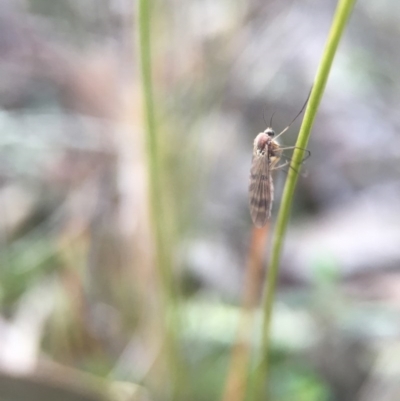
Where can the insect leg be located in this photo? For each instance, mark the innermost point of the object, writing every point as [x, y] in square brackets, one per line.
[304, 106]
[298, 147]
[286, 163]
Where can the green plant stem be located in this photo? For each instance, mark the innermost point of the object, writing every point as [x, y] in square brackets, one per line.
[169, 299]
[340, 20]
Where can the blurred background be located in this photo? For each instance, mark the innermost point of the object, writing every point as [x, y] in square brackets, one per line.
[104, 297]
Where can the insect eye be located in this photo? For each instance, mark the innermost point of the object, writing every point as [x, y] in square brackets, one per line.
[271, 133]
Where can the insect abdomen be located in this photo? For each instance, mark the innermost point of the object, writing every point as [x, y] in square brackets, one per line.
[260, 191]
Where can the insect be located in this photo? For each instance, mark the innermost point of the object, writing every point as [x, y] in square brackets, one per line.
[266, 155]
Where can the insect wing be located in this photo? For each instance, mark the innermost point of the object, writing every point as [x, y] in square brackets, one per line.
[260, 190]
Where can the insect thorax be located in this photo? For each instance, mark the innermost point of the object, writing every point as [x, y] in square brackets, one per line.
[265, 145]
[262, 144]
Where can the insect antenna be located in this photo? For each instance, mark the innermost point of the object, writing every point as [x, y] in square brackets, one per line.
[270, 122]
[302, 109]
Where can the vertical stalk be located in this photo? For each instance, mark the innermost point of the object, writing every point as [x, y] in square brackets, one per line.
[169, 304]
[340, 20]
